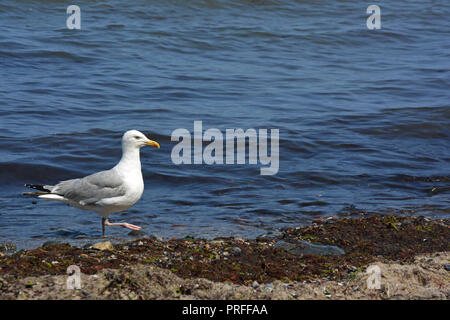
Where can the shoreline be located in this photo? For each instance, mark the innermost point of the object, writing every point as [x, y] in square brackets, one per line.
[326, 260]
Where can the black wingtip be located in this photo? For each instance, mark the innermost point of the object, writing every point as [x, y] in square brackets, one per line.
[36, 187]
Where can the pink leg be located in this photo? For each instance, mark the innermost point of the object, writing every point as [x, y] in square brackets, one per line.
[123, 224]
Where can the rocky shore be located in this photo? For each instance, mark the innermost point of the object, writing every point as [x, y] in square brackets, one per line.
[327, 260]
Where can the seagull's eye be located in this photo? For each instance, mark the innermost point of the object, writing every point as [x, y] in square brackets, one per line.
[136, 137]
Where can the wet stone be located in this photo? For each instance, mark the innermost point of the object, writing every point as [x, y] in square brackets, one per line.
[137, 233]
[268, 287]
[304, 247]
[236, 251]
[275, 234]
[107, 245]
[262, 238]
[87, 246]
[50, 243]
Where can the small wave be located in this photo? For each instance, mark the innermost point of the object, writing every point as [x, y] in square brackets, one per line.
[45, 54]
[313, 204]
[20, 173]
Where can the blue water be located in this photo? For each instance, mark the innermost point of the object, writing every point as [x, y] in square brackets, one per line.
[363, 115]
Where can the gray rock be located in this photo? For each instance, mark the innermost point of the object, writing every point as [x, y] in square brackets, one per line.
[236, 251]
[49, 243]
[136, 244]
[87, 246]
[275, 234]
[7, 246]
[85, 293]
[106, 245]
[255, 284]
[447, 267]
[304, 247]
[268, 287]
[262, 237]
[137, 233]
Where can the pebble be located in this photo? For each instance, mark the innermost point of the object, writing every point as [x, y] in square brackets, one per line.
[137, 233]
[304, 247]
[447, 267]
[275, 233]
[331, 219]
[136, 244]
[353, 269]
[268, 287]
[106, 245]
[262, 237]
[49, 243]
[236, 250]
[226, 253]
[255, 284]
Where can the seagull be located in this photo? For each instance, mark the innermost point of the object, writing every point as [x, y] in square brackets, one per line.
[105, 192]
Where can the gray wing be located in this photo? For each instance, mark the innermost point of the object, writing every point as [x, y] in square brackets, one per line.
[93, 188]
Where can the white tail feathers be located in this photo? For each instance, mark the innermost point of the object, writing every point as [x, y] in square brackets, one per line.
[53, 197]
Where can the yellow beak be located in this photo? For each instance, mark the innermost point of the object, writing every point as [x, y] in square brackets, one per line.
[153, 143]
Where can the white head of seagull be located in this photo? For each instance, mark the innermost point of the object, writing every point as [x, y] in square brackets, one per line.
[134, 139]
[132, 142]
